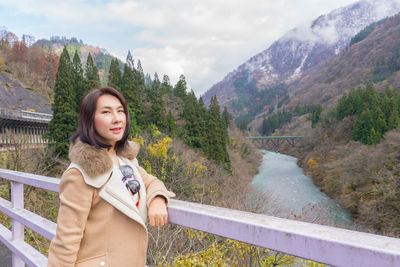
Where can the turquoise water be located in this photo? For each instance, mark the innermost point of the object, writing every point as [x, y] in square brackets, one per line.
[287, 192]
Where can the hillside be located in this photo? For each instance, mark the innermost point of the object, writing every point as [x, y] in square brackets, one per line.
[374, 59]
[101, 56]
[28, 68]
[14, 95]
[291, 56]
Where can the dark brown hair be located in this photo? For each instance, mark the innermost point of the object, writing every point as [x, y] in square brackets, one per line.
[86, 130]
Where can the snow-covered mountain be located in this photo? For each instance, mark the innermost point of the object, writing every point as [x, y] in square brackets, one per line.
[304, 47]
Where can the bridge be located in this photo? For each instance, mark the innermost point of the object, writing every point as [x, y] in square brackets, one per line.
[276, 143]
[330, 245]
[22, 127]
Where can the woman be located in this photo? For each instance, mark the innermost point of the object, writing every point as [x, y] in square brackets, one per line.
[104, 194]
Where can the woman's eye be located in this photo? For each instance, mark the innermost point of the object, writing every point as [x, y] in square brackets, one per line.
[121, 110]
[105, 111]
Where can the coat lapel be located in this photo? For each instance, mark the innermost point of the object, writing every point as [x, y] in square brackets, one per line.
[143, 198]
[115, 193]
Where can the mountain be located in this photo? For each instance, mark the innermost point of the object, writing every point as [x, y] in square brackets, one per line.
[376, 59]
[372, 57]
[297, 51]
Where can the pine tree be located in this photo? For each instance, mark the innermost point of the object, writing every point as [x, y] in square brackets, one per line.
[315, 115]
[147, 80]
[394, 119]
[133, 96]
[157, 109]
[166, 87]
[370, 98]
[129, 60]
[155, 87]
[171, 123]
[64, 122]
[78, 79]
[114, 75]
[135, 129]
[215, 137]
[91, 74]
[194, 135]
[140, 71]
[373, 137]
[226, 118]
[202, 117]
[362, 127]
[379, 122]
[180, 87]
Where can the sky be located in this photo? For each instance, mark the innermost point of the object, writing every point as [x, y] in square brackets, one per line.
[203, 40]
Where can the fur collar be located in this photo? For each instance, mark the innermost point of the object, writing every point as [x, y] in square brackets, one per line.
[96, 161]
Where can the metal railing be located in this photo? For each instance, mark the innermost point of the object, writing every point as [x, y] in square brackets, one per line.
[276, 137]
[330, 245]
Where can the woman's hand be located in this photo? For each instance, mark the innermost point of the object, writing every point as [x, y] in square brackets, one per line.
[158, 215]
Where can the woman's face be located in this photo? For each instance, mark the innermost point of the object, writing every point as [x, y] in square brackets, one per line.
[109, 119]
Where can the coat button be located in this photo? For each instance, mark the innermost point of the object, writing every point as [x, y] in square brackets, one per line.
[102, 263]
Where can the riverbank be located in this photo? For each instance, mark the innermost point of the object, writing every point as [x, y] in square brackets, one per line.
[291, 194]
[363, 179]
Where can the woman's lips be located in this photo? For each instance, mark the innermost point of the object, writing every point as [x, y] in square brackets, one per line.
[116, 130]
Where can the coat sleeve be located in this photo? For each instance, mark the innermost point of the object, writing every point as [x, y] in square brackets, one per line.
[154, 187]
[75, 203]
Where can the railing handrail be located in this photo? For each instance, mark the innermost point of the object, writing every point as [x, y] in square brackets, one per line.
[335, 246]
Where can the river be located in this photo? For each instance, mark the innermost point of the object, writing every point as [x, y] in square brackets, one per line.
[289, 193]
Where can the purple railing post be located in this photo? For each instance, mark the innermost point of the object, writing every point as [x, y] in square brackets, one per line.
[17, 201]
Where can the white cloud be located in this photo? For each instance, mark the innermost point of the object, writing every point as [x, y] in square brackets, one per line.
[204, 40]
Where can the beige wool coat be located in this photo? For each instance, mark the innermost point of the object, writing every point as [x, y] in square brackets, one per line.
[98, 222]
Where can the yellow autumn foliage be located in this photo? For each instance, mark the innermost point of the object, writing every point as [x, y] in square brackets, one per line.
[312, 163]
[154, 131]
[147, 166]
[275, 133]
[227, 253]
[198, 167]
[3, 159]
[138, 139]
[158, 153]
[159, 150]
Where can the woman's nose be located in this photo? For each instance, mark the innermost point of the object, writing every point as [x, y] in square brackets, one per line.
[117, 116]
